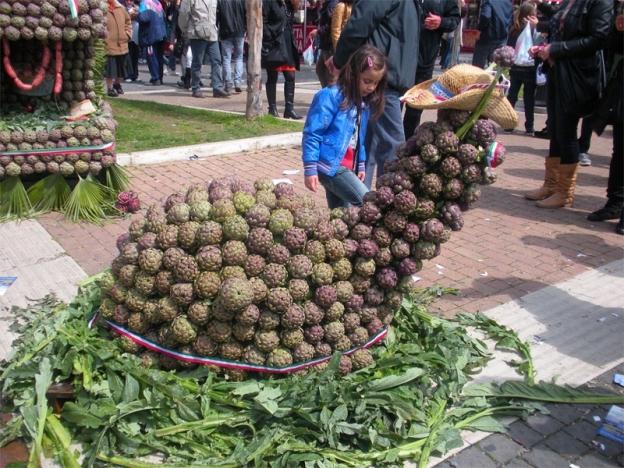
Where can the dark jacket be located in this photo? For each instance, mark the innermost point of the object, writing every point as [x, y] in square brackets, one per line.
[152, 28]
[278, 42]
[577, 34]
[324, 24]
[231, 18]
[429, 44]
[495, 19]
[393, 26]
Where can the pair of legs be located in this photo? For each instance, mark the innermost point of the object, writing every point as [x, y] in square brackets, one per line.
[519, 77]
[383, 136]
[155, 62]
[200, 48]
[289, 93]
[412, 116]
[232, 51]
[115, 72]
[343, 189]
[483, 51]
[614, 208]
[132, 61]
[563, 154]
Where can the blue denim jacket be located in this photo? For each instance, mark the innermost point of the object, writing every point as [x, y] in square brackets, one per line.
[327, 132]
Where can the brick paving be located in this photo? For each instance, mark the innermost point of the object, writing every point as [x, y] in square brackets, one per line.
[564, 437]
[508, 247]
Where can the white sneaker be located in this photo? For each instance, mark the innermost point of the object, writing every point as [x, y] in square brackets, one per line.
[584, 159]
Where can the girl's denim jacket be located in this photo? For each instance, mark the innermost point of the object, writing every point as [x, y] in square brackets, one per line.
[328, 131]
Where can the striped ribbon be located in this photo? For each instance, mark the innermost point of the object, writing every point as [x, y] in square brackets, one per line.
[73, 8]
[66, 150]
[226, 363]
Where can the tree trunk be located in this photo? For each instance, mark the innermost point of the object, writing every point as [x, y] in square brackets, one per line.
[254, 72]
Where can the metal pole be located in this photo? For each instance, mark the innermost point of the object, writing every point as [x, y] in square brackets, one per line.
[305, 24]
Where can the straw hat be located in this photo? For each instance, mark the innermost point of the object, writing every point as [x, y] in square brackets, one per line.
[462, 87]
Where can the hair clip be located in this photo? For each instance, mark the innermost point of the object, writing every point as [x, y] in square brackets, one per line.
[369, 59]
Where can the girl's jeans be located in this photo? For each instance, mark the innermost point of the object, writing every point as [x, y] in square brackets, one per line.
[343, 189]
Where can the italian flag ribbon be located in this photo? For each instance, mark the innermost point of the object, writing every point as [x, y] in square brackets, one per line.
[73, 8]
[226, 363]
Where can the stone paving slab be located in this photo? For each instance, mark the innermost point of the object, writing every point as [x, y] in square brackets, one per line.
[508, 247]
[41, 266]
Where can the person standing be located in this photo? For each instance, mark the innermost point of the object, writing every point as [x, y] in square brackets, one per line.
[334, 153]
[577, 33]
[152, 34]
[393, 27]
[232, 21]
[119, 29]
[326, 49]
[494, 23]
[132, 59]
[198, 21]
[279, 53]
[611, 111]
[440, 16]
[522, 72]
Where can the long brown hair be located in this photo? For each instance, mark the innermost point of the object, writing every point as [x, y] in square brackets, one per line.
[364, 58]
[522, 12]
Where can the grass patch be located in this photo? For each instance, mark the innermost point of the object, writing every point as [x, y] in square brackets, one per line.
[150, 125]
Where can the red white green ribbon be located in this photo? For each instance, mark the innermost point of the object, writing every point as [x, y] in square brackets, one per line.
[226, 363]
[73, 8]
[67, 150]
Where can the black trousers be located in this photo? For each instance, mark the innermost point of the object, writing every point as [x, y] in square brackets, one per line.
[615, 186]
[132, 61]
[411, 120]
[524, 76]
[562, 124]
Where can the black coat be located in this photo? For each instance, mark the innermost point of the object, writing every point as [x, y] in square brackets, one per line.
[278, 42]
[577, 34]
[429, 45]
[393, 26]
[231, 18]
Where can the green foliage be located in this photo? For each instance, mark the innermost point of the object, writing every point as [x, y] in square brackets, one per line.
[412, 402]
[89, 201]
[117, 178]
[14, 202]
[49, 194]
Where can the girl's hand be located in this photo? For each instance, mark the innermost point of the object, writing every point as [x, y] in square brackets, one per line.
[532, 20]
[544, 53]
[311, 182]
[361, 175]
[619, 23]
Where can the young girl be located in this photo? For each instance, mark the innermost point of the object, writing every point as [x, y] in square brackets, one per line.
[523, 74]
[335, 128]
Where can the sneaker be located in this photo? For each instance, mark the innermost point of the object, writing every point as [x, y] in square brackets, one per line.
[220, 93]
[198, 93]
[529, 132]
[117, 87]
[238, 89]
[111, 93]
[584, 159]
[128, 80]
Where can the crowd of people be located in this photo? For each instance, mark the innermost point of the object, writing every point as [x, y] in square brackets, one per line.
[574, 48]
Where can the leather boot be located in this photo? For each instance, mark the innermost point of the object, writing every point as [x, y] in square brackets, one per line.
[551, 175]
[564, 194]
[271, 93]
[289, 97]
[620, 225]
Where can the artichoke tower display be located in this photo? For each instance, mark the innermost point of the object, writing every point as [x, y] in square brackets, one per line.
[55, 132]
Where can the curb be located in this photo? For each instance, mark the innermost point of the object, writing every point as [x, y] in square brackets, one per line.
[204, 150]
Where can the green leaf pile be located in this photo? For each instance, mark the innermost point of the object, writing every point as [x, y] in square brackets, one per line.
[413, 402]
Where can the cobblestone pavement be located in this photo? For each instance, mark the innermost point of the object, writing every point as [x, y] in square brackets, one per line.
[564, 438]
[507, 248]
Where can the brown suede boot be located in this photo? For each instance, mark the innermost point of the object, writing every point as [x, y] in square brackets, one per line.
[564, 195]
[551, 175]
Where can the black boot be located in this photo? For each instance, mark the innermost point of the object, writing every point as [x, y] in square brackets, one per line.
[185, 82]
[620, 225]
[271, 93]
[611, 210]
[289, 96]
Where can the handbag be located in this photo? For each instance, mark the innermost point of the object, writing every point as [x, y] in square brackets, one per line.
[540, 75]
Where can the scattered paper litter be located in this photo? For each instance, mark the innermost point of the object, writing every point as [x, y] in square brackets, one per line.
[5, 283]
[280, 181]
[291, 172]
[416, 278]
[572, 465]
[598, 445]
[581, 255]
[596, 418]
[538, 339]
[614, 314]
[487, 219]
[618, 379]
[479, 260]
[439, 267]
[485, 273]
[194, 157]
[602, 319]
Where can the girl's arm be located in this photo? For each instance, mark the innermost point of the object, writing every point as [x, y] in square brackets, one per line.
[361, 153]
[320, 116]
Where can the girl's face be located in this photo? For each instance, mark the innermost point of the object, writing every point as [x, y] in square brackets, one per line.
[369, 79]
